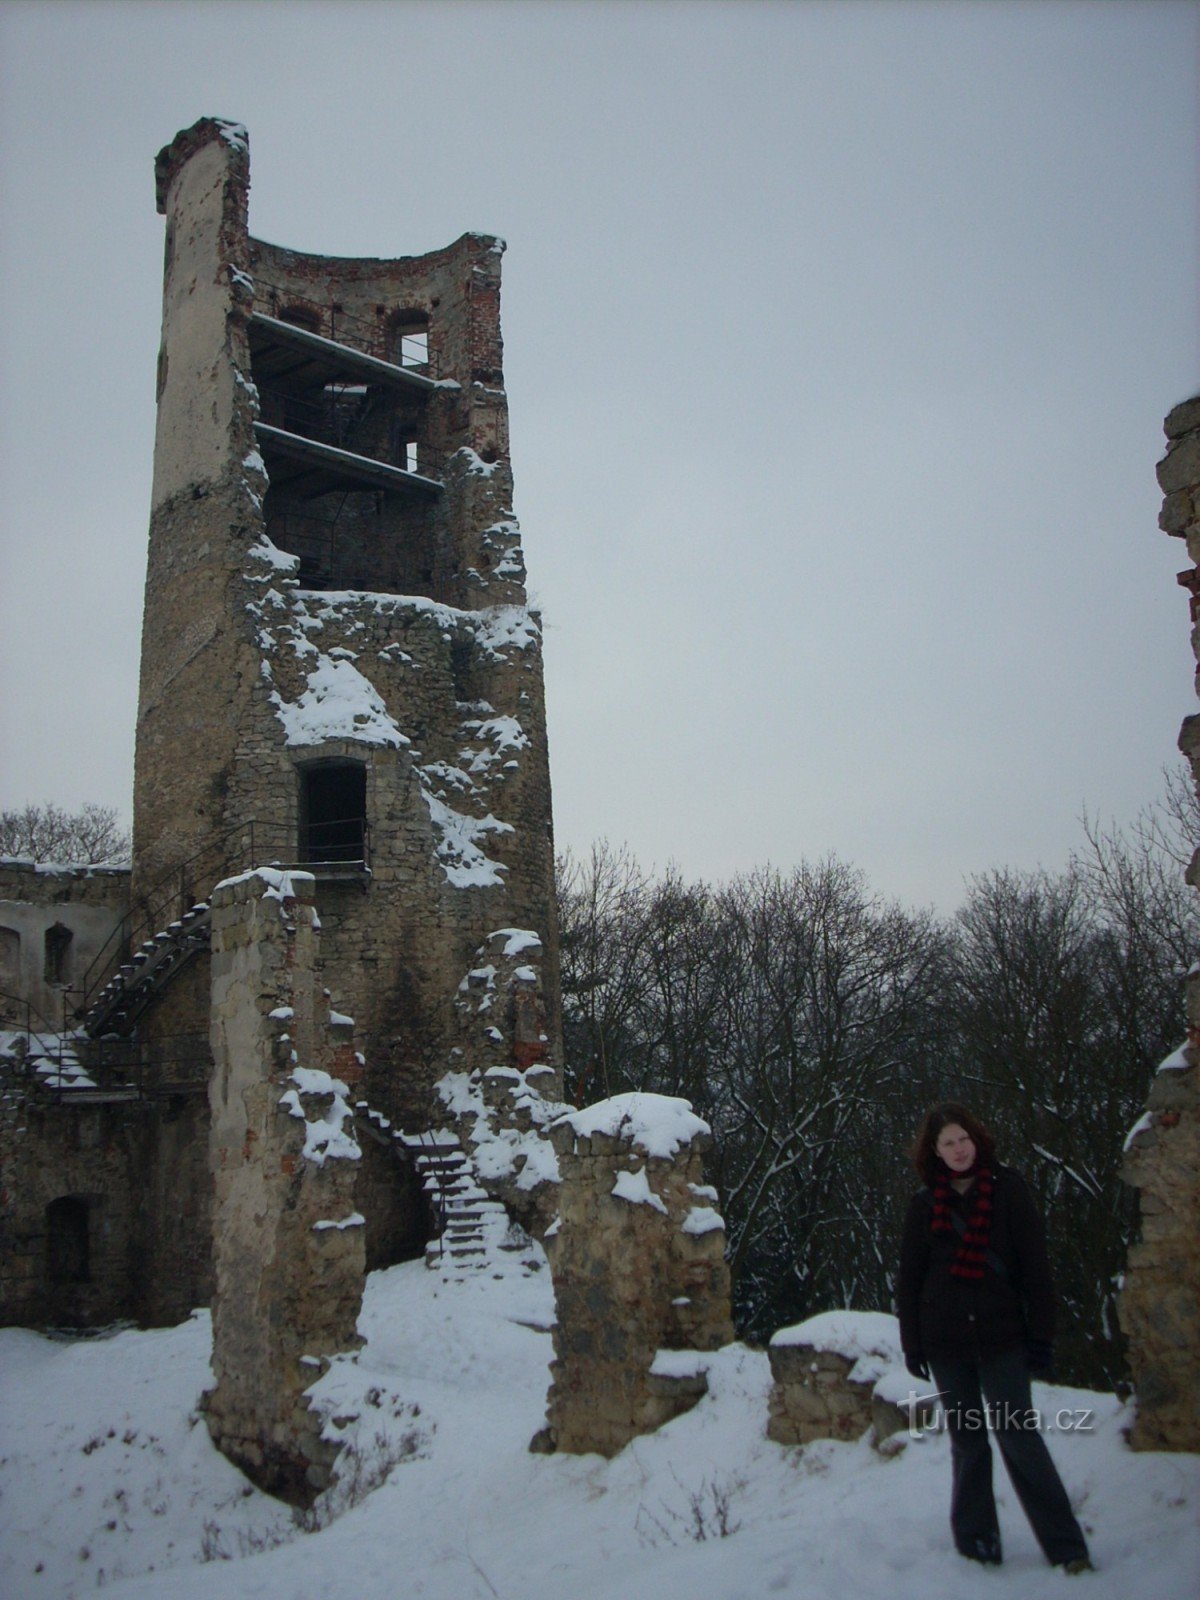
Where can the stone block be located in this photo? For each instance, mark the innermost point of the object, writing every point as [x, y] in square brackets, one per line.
[1182, 418]
[1180, 467]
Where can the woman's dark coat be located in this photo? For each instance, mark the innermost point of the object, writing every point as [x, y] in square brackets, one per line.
[955, 1320]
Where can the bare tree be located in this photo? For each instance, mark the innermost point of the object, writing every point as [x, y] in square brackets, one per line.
[602, 913]
[829, 995]
[1067, 993]
[92, 836]
[811, 1023]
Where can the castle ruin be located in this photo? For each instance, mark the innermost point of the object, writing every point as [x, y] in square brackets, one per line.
[315, 1028]
[341, 683]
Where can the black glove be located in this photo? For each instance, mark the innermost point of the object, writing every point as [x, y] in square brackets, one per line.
[918, 1367]
[1040, 1355]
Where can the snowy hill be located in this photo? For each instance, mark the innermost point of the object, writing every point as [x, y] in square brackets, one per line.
[108, 1480]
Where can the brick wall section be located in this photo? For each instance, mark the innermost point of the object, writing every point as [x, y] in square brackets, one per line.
[434, 622]
[288, 1244]
[633, 1277]
[1160, 1303]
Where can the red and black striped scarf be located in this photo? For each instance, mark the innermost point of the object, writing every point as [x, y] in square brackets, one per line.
[971, 1256]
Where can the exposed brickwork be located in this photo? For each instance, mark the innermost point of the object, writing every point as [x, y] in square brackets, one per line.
[501, 1093]
[297, 627]
[433, 618]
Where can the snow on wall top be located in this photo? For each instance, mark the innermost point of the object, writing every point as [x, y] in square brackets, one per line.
[656, 1124]
[1178, 1061]
[280, 884]
[852, 1334]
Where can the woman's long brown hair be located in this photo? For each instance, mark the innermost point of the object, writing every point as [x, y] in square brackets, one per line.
[924, 1151]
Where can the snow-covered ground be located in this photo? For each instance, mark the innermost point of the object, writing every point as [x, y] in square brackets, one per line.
[108, 1480]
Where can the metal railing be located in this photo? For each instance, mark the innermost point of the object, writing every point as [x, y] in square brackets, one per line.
[372, 335]
[251, 844]
[173, 1064]
[176, 1063]
[15, 1007]
[346, 420]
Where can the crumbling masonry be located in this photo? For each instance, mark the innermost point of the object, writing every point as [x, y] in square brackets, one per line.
[316, 1029]
[341, 682]
[1160, 1303]
[287, 1240]
[641, 1285]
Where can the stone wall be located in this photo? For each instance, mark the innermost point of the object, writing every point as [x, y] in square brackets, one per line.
[838, 1374]
[1160, 1303]
[87, 902]
[452, 738]
[288, 1243]
[75, 1161]
[1159, 1306]
[423, 668]
[641, 1285]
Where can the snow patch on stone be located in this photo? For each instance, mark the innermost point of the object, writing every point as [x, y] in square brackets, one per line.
[657, 1124]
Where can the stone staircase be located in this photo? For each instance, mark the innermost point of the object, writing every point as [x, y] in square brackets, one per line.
[472, 1225]
[116, 1008]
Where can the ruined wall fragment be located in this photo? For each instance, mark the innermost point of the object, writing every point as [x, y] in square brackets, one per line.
[1159, 1306]
[641, 1285]
[838, 1374]
[288, 1242]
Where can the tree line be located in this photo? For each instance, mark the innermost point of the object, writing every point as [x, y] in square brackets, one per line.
[811, 1021]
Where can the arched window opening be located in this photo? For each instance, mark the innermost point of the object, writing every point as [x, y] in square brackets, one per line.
[68, 1256]
[333, 813]
[57, 954]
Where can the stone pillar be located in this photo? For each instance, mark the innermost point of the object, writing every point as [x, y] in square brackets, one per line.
[288, 1245]
[1159, 1308]
[641, 1284]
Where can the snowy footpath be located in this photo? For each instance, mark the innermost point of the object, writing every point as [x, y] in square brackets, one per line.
[108, 1481]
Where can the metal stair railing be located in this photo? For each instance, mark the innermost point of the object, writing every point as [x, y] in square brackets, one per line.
[170, 899]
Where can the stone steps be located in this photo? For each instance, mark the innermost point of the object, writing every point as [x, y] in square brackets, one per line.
[470, 1220]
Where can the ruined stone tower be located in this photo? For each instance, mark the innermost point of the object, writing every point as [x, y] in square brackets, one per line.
[339, 666]
[341, 679]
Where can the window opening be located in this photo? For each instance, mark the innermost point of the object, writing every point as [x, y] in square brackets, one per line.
[414, 348]
[333, 812]
[68, 1258]
[57, 953]
[410, 340]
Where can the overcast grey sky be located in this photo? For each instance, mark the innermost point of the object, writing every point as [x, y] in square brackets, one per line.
[838, 339]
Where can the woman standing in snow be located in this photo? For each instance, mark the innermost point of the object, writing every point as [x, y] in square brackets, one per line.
[977, 1310]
